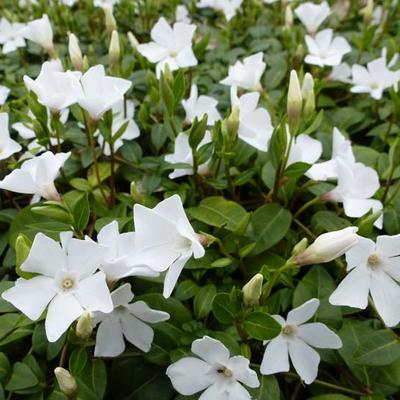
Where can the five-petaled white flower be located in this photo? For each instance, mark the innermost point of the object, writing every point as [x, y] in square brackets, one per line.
[324, 49]
[67, 283]
[4, 93]
[40, 32]
[356, 184]
[341, 148]
[8, 146]
[246, 74]
[372, 268]
[119, 258]
[36, 176]
[172, 46]
[183, 154]
[296, 341]
[101, 92]
[312, 15]
[126, 320]
[227, 7]
[213, 370]
[255, 126]
[122, 114]
[54, 89]
[198, 106]
[166, 239]
[374, 79]
[11, 35]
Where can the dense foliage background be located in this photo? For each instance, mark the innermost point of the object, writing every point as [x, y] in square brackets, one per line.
[251, 212]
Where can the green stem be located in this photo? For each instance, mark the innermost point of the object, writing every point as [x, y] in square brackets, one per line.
[304, 207]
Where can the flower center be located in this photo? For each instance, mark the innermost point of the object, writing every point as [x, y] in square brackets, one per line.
[288, 330]
[373, 260]
[225, 371]
[173, 53]
[374, 85]
[67, 283]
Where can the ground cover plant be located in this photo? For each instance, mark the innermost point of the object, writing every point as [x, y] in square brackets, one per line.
[199, 199]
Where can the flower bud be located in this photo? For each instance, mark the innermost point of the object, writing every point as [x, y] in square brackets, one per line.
[75, 53]
[328, 246]
[294, 102]
[84, 327]
[85, 64]
[252, 290]
[368, 11]
[307, 91]
[288, 17]
[232, 123]
[66, 382]
[114, 50]
[133, 41]
[111, 24]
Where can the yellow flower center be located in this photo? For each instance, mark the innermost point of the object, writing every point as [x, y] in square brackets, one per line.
[373, 260]
[288, 330]
[67, 283]
[225, 371]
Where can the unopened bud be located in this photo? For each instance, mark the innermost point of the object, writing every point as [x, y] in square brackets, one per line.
[203, 239]
[114, 50]
[299, 247]
[328, 246]
[111, 24]
[84, 327]
[85, 65]
[368, 11]
[307, 91]
[133, 41]
[294, 102]
[232, 123]
[288, 17]
[66, 382]
[75, 53]
[252, 291]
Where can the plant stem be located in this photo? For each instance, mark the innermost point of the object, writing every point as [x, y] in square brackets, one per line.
[304, 207]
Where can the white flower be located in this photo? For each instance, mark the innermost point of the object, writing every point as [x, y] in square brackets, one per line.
[105, 3]
[341, 73]
[8, 146]
[255, 126]
[213, 370]
[324, 49]
[119, 258]
[131, 131]
[101, 92]
[67, 283]
[54, 89]
[373, 79]
[304, 149]
[4, 93]
[296, 341]
[40, 32]
[372, 268]
[246, 74]
[11, 35]
[183, 154]
[166, 239]
[356, 184]
[126, 320]
[312, 15]
[341, 148]
[227, 7]
[182, 14]
[328, 246]
[172, 46]
[36, 176]
[198, 106]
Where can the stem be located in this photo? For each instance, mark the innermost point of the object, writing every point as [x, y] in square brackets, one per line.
[229, 181]
[112, 176]
[388, 182]
[63, 355]
[306, 205]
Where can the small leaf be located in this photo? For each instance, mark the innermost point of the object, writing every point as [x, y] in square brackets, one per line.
[223, 309]
[203, 301]
[261, 326]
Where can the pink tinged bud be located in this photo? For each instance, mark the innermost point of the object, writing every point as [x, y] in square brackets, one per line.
[328, 246]
[294, 100]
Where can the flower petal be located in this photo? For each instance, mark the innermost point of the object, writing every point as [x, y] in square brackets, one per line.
[305, 360]
[109, 339]
[358, 254]
[190, 375]
[137, 332]
[122, 295]
[142, 311]
[210, 350]
[319, 335]
[172, 276]
[240, 368]
[303, 313]
[276, 357]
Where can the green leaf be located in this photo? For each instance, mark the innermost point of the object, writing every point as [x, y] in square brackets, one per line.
[5, 367]
[186, 290]
[167, 95]
[297, 169]
[317, 283]
[223, 308]
[333, 396]
[315, 124]
[261, 326]
[268, 389]
[22, 377]
[77, 361]
[382, 347]
[219, 212]
[197, 132]
[81, 212]
[203, 301]
[268, 225]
